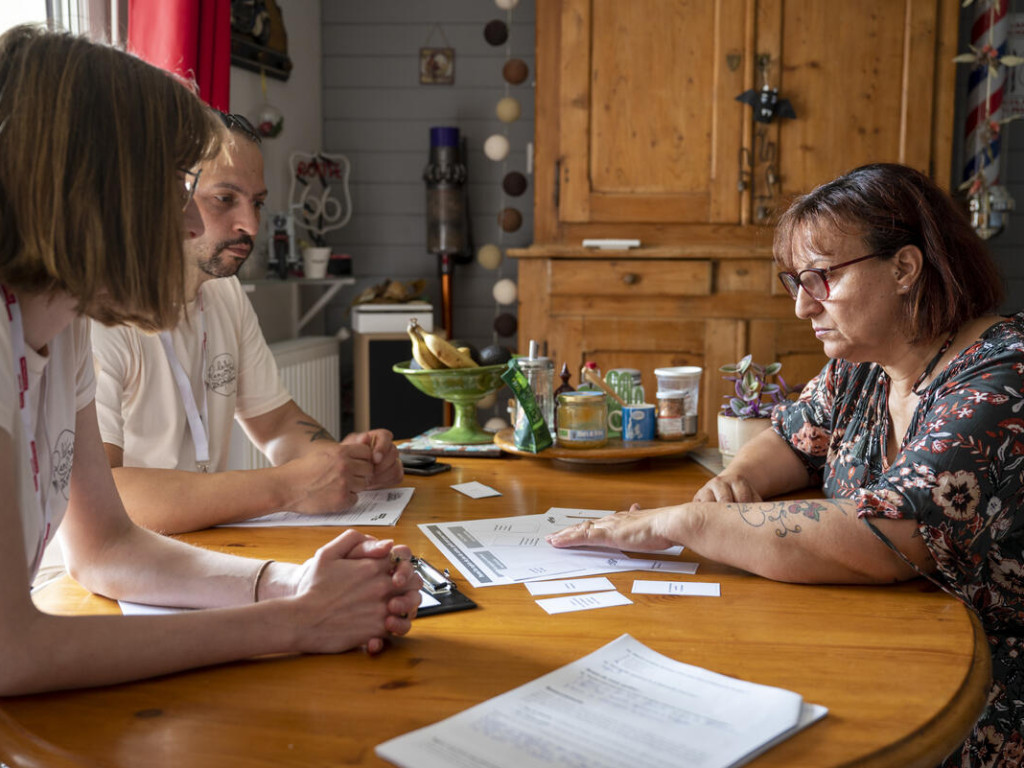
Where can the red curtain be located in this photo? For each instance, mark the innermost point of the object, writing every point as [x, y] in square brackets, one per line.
[191, 38]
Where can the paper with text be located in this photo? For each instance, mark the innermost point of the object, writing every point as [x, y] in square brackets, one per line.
[688, 588]
[380, 507]
[568, 585]
[475, 490]
[623, 704]
[507, 550]
[571, 603]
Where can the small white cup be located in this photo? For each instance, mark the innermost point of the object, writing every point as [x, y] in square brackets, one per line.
[314, 262]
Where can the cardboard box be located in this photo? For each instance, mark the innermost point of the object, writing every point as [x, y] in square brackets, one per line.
[391, 318]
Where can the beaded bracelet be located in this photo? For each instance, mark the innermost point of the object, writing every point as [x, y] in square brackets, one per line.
[256, 581]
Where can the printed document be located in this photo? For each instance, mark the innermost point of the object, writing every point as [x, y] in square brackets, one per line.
[510, 550]
[380, 507]
[623, 704]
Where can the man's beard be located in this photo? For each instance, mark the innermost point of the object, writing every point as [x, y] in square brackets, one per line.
[225, 266]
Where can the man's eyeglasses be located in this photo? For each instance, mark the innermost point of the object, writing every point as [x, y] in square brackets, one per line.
[234, 122]
[814, 281]
[191, 181]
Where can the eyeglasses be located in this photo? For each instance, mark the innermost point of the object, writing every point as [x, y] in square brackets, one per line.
[814, 281]
[234, 122]
[188, 191]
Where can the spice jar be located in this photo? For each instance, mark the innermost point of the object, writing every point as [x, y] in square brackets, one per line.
[671, 412]
[582, 419]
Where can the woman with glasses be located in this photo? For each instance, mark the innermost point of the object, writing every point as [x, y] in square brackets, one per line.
[914, 429]
[97, 151]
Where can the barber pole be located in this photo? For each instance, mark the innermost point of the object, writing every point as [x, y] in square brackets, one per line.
[985, 94]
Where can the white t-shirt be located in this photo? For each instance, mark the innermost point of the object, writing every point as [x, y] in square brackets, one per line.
[60, 385]
[137, 400]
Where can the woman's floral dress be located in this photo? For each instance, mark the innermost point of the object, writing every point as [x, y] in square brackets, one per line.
[960, 474]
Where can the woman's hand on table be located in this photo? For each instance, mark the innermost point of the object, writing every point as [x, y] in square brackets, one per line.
[355, 591]
[635, 530]
[727, 488]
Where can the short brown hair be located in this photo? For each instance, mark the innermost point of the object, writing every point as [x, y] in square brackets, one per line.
[92, 143]
[890, 206]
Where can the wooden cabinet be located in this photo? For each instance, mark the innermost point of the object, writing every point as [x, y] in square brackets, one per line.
[639, 135]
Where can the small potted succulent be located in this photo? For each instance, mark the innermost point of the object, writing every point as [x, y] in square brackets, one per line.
[748, 411]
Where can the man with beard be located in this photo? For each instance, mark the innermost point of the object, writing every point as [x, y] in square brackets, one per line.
[166, 401]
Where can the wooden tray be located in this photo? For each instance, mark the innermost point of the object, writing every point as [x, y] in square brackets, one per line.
[614, 452]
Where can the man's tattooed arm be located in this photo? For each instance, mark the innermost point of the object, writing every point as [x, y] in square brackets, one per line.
[316, 432]
[785, 516]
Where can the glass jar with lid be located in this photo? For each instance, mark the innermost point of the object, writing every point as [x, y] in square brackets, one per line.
[582, 419]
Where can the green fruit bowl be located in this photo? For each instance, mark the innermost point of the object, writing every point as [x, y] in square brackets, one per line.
[463, 388]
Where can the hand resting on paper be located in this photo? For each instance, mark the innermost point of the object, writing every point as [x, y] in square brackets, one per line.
[635, 530]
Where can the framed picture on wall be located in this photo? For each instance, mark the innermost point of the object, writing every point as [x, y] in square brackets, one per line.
[437, 66]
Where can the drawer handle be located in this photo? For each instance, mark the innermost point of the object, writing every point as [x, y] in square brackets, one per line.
[630, 278]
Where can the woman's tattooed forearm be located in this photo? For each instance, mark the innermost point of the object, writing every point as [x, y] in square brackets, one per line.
[316, 432]
[784, 516]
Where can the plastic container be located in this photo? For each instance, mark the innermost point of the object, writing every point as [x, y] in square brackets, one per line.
[685, 379]
[540, 374]
[582, 419]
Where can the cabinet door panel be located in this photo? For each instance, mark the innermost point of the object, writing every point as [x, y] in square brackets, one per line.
[860, 77]
[649, 129]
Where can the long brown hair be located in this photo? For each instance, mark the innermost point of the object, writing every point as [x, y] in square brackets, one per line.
[92, 145]
[890, 206]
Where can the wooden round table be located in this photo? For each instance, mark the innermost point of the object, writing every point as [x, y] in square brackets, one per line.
[903, 669]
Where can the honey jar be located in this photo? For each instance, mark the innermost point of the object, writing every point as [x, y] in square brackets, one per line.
[582, 419]
[671, 414]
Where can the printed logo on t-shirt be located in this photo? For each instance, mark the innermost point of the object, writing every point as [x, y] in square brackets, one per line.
[221, 375]
[60, 462]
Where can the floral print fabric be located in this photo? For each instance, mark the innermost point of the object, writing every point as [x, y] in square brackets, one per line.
[960, 474]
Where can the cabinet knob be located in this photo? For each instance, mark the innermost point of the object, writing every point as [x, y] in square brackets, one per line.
[630, 278]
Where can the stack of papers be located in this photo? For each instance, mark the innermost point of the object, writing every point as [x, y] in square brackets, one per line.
[623, 705]
[509, 550]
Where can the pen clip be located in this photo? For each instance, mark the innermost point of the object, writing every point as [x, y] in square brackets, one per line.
[434, 581]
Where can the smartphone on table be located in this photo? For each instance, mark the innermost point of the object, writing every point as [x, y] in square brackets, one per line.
[419, 464]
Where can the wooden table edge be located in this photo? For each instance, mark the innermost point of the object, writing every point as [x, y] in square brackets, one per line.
[947, 730]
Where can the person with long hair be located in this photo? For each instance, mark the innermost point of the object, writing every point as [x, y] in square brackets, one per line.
[99, 154]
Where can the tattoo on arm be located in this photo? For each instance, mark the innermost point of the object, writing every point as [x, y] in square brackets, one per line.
[316, 432]
[785, 516]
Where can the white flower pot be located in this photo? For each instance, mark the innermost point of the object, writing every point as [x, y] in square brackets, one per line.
[734, 433]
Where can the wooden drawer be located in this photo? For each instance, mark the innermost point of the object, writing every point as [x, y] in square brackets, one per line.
[626, 277]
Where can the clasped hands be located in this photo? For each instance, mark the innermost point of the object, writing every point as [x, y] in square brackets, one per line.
[329, 477]
[355, 591]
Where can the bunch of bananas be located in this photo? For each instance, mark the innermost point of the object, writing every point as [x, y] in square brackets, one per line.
[433, 352]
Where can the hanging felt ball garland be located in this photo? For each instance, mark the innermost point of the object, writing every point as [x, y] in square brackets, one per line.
[497, 148]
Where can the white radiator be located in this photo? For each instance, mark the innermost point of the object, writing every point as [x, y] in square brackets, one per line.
[309, 371]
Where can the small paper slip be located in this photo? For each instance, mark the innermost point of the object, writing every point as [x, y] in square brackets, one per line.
[141, 609]
[476, 490]
[571, 603]
[380, 507]
[569, 585]
[687, 588]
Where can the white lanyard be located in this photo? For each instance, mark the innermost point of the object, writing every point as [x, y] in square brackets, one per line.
[28, 431]
[197, 420]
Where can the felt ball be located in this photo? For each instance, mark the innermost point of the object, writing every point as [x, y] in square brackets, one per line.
[515, 71]
[514, 183]
[508, 109]
[487, 401]
[510, 219]
[506, 5]
[506, 325]
[505, 291]
[496, 33]
[495, 424]
[496, 147]
[489, 256]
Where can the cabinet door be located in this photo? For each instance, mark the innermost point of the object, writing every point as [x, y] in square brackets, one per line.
[649, 127]
[862, 79]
